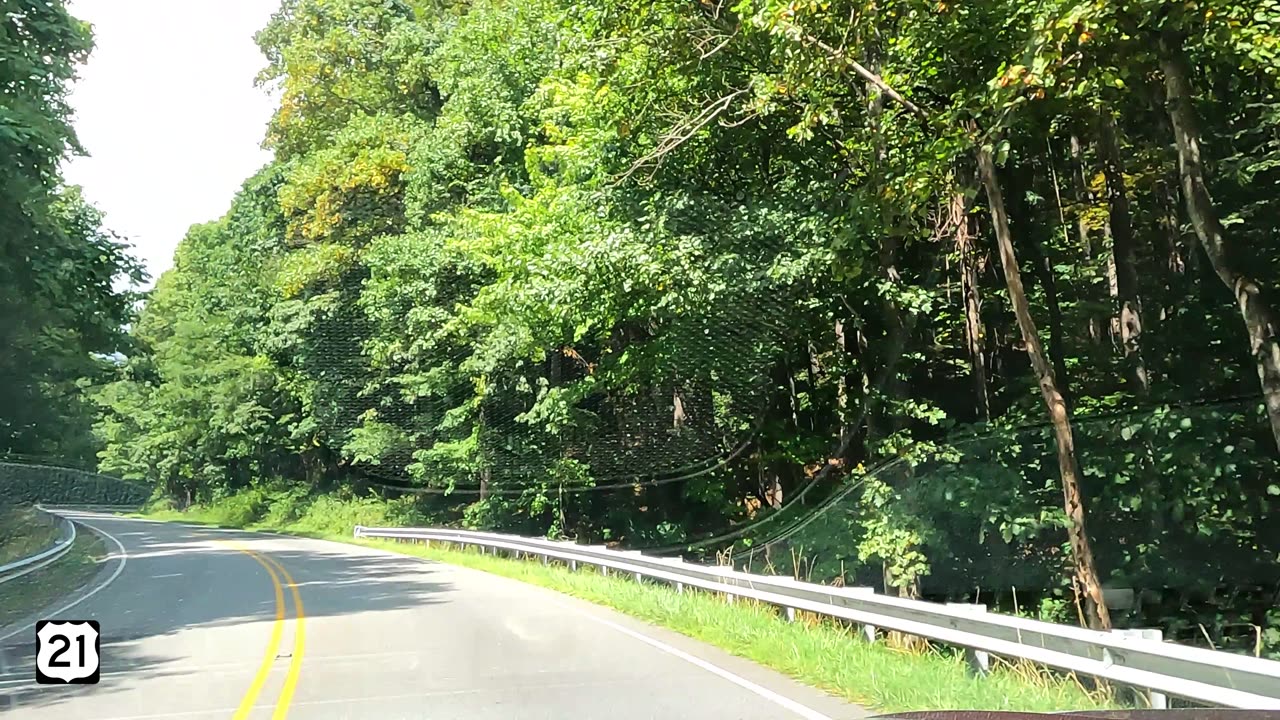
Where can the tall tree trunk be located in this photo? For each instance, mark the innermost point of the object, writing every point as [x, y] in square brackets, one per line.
[793, 397]
[971, 291]
[770, 484]
[1172, 230]
[890, 348]
[1042, 270]
[895, 335]
[678, 415]
[1259, 318]
[1081, 549]
[1085, 199]
[812, 370]
[1057, 346]
[1124, 252]
[484, 470]
[847, 429]
[1178, 283]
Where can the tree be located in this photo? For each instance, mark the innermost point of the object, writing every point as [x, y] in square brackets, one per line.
[1259, 318]
[705, 277]
[61, 310]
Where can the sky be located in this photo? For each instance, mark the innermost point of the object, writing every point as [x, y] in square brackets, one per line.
[168, 112]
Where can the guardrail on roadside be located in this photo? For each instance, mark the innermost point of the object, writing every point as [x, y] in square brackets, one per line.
[1128, 657]
[90, 507]
[18, 568]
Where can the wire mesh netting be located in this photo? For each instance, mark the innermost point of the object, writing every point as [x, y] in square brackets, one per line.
[30, 483]
[1179, 514]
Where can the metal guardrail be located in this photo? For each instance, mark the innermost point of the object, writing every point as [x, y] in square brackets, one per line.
[1133, 658]
[90, 507]
[18, 568]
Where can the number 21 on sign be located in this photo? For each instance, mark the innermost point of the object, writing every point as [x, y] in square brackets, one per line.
[67, 651]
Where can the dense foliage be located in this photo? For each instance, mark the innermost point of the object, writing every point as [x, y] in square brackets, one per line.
[62, 310]
[984, 282]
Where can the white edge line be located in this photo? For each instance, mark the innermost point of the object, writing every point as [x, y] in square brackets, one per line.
[7, 700]
[801, 710]
[780, 700]
[197, 526]
[785, 702]
[124, 559]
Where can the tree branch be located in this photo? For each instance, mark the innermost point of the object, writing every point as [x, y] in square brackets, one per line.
[682, 132]
[837, 54]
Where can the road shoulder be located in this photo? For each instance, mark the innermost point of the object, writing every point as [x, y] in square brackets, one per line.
[799, 699]
[86, 565]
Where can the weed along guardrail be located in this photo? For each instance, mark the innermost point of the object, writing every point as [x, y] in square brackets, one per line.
[1138, 659]
[47, 556]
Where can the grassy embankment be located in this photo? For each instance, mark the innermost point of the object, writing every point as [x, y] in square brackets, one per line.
[24, 532]
[813, 650]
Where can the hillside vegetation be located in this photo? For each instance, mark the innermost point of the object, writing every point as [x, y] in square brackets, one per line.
[967, 301]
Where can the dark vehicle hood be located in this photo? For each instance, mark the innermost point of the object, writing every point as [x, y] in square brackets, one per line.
[1197, 714]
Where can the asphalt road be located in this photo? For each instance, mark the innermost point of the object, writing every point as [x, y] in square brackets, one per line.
[200, 623]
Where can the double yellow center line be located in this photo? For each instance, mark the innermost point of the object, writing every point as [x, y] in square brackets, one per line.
[279, 578]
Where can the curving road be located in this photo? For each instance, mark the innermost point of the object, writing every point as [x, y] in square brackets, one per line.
[201, 623]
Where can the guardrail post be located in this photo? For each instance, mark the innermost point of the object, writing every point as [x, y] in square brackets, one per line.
[868, 632]
[979, 661]
[1157, 700]
[1135, 660]
[546, 560]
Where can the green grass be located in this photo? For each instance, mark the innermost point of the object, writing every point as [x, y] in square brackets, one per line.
[289, 511]
[38, 590]
[813, 650]
[25, 531]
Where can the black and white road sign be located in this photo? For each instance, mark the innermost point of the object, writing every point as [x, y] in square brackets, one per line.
[67, 652]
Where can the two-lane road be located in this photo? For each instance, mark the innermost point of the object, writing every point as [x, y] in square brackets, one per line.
[200, 623]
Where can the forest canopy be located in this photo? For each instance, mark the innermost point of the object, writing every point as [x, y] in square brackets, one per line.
[948, 298]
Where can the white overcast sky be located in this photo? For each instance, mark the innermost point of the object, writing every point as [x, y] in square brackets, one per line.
[168, 112]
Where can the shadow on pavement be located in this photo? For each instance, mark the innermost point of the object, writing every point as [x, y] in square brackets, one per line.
[178, 578]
